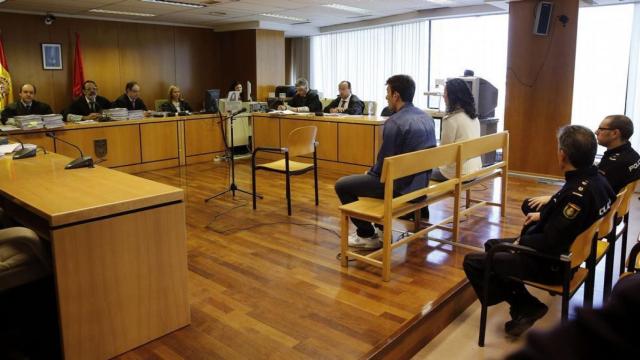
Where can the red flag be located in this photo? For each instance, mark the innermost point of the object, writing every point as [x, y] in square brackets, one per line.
[6, 89]
[78, 70]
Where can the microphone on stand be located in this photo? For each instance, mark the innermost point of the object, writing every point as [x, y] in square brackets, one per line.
[81, 162]
[238, 112]
[23, 153]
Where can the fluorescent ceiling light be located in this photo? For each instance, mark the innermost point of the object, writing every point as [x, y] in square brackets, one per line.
[348, 8]
[285, 17]
[176, 3]
[440, 2]
[103, 11]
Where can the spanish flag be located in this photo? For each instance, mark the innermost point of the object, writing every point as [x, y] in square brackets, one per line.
[6, 90]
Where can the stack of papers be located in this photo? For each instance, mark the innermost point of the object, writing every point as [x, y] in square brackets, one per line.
[136, 114]
[52, 121]
[117, 114]
[29, 122]
[6, 128]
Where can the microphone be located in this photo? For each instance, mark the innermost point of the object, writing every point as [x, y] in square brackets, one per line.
[81, 162]
[23, 153]
[238, 112]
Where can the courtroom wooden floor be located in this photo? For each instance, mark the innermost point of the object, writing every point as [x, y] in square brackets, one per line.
[265, 285]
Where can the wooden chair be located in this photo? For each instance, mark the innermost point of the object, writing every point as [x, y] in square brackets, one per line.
[633, 261]
[582, 250]
[301, 141]
[383, 211]
[623, 217]
[605, 246]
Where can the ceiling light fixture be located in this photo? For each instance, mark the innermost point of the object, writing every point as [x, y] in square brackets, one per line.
[347, 8]
[103, 11]
[176, 3]
[284, 17]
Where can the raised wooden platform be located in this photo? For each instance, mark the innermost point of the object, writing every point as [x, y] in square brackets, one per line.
[265, 285]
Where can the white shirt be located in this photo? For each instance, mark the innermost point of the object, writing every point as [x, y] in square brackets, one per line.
[177, 105]
[344, 103]
[458, 126]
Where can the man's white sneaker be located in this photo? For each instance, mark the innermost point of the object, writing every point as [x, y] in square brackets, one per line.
[369, 243]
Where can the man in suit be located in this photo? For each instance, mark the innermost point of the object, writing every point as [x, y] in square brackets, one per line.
[585, 197]
[27, 105]
[130, 99]
[346, 102]
[305, 100]
[90, 105]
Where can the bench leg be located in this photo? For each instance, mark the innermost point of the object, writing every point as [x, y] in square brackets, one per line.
[386, 250]
[344, 239]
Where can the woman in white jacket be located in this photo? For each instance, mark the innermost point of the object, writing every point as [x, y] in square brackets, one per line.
[459, 124]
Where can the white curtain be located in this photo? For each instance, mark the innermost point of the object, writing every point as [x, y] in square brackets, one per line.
[368, 57]
[602, 64]
[633, 86]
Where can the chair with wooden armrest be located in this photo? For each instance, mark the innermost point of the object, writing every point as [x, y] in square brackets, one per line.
[623, 217]
[301, 141]
[582, 251]
[605, 246]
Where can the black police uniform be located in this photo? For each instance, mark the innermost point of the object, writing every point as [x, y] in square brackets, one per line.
[585, 197]
[311, 100]
[620, 166]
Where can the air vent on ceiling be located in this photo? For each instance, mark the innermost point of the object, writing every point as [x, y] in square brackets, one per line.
[302, 23]
[358, 16]
[217, 13]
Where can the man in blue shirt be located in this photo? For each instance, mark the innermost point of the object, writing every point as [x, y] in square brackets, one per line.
[408, 129]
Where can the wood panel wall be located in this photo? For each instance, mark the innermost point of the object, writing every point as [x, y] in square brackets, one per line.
[154, 55]
[238, 59]
[270, 61]
[539, 90]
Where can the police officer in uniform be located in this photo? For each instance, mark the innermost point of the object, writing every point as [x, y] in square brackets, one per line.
[620, 164]
[585, 197]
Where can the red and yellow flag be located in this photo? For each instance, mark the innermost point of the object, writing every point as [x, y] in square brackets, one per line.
[78, 71]
[6, 90]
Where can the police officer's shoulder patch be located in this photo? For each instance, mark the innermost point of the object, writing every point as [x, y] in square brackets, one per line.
[570, 211]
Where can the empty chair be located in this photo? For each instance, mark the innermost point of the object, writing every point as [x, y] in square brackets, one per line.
[301, 141]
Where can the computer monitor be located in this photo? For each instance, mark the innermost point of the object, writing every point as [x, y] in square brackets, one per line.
[484, 94]
[211, 98]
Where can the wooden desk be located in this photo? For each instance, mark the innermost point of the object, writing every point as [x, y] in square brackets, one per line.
[345, 142]
[119, 250]
[138, 145]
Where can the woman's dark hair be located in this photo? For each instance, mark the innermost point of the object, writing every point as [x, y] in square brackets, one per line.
[459, 97]
[233, 85]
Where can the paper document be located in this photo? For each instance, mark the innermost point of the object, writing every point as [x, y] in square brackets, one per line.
[8, 128]
[8, 148]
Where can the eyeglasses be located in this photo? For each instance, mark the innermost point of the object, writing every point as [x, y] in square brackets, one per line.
[604, 128]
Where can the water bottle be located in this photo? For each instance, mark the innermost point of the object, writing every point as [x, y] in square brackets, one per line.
[370, 108]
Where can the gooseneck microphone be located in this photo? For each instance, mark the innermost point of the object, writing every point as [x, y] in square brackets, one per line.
[81, 162]
[23, 153]
[239, 112]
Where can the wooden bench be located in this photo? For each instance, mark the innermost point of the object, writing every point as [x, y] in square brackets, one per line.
[384, 211]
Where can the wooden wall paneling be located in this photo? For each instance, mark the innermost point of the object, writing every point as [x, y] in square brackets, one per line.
[197, 63]
[270, 62]
[327, 136]
[539, 91]
[238, 59]
[159, 141]
[144, 60]
[355, 144]
[22, 36]
[100, 55]
[203, 136]
[377, 141]
[266, 131]
[123, 144]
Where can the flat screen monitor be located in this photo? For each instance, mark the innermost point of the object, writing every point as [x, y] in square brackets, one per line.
[211, 98]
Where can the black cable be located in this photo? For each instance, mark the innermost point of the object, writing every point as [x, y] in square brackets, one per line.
[544, 61]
